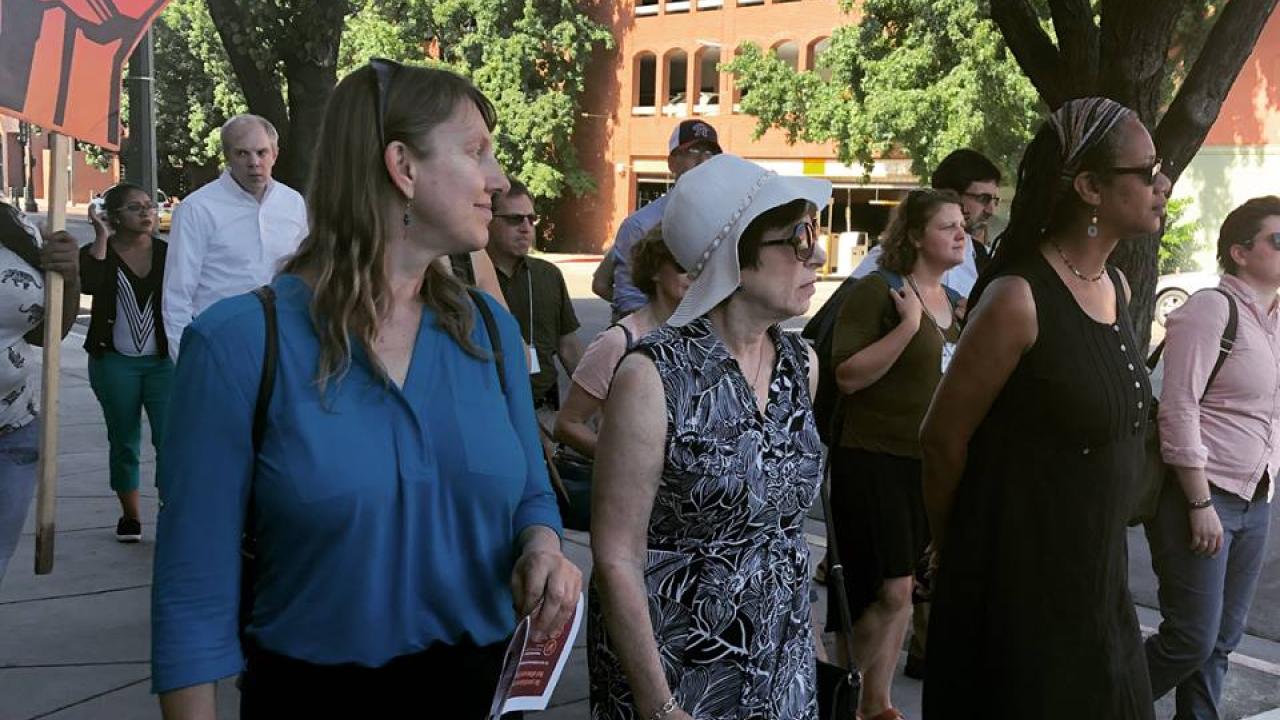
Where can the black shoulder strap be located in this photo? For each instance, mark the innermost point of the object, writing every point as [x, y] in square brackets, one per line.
[626, 333]
[267, 296]
[1228, 340]
[495, 340]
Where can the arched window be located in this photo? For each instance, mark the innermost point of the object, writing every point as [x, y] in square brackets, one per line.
[817, 49]
[645, 76]
[707, 101]
[789, 53]
[676, 97]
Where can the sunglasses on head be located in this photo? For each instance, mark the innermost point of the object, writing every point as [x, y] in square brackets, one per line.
[383, 71]
[1145, 173]
[803, 240]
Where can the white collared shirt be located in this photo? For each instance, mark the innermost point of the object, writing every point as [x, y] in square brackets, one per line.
[224, 243]
[960, 278]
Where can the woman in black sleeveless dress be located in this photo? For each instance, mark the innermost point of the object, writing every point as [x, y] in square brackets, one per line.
[1034, 441]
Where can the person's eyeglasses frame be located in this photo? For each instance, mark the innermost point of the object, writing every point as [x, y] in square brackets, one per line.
[984, 198]
[139, 208]
[384, 71]
[517, 219]
[803, 240]
[1146, 173]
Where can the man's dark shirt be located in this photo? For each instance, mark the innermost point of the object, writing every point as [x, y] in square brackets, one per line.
[552, 314]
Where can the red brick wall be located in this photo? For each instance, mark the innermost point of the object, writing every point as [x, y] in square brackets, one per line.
[1251, 113]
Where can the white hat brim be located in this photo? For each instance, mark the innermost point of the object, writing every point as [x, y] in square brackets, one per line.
[720, 275]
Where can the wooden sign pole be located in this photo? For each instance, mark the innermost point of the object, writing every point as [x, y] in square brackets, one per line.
[47, 470]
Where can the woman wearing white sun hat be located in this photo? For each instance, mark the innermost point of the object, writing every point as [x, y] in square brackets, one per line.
[707, 462]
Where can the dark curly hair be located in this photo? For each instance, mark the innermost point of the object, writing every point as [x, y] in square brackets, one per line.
[113, 200]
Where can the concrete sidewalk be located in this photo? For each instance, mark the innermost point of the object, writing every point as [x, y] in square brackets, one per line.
[74, 645]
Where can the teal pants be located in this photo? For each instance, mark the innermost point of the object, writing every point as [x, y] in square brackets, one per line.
[124, 386]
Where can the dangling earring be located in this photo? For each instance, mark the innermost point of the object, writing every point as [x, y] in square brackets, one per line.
[407, 218]
[1093, 224]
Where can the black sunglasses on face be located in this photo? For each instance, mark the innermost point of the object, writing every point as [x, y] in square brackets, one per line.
[1146, 173]
[383, 71]
[518, 219]
[1273, 237]
[803, 240]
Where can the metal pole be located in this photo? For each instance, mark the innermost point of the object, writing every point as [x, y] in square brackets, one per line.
[140, 165]
[29, 165]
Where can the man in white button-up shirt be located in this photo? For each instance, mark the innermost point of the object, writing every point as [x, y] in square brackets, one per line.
[230, 236]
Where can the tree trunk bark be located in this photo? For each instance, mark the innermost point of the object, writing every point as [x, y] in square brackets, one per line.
[261, 86]
[311, 69]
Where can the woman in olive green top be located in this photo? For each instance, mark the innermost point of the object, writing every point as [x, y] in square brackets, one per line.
[890, 346]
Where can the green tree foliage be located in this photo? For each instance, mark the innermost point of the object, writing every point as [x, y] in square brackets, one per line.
[528, 56]
[920, 76]
[1180, 242]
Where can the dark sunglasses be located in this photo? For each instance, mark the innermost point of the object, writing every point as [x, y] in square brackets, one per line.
[1273, 237]
[383, 71]
[803, 240]
[518, 219]
[1146, 173]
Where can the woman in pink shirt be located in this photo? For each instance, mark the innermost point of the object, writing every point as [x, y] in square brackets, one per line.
[656, 274]
[1222, 441]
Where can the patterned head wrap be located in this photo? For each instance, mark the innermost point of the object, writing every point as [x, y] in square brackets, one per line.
[1081, 124]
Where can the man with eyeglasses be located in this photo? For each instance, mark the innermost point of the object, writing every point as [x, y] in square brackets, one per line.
[229, 236]
[536, 294]
[691, 143]
[977, 181]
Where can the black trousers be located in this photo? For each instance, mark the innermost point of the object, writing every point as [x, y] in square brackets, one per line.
[455, 681]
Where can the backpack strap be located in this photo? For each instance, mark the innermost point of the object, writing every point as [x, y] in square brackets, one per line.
[266, 384]
[1225, 344]
[495, 340]
[1228, 340]
[267, 296]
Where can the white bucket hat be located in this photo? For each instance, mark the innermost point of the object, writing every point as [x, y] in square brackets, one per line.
[706, 213]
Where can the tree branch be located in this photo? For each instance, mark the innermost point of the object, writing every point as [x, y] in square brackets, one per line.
[1032, 48]
[1197, 104]
[1078, 39]
[261, 86]
[1134, 52]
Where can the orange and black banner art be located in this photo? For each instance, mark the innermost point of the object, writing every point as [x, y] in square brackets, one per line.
[61, 62]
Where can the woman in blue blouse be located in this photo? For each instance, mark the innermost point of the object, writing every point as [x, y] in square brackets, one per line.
[401, 506]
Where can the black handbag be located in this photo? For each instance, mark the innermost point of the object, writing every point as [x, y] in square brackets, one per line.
[839, 689]
[575, 485]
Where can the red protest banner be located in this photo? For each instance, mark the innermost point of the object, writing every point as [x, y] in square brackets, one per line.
[61, 62]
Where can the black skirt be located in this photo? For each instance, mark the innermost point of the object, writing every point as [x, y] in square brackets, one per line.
[879, 522]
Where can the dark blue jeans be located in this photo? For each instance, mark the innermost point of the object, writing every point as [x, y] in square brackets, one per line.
[1204, 600]
[19, 451]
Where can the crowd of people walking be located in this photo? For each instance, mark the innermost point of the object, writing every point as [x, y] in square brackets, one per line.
[353, 401]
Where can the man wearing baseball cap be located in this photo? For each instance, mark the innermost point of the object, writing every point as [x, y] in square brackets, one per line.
[692, 142]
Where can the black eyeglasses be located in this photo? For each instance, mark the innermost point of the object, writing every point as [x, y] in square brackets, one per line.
[1146, 173]
[517, 219]
[140, 207]
[383, 71]
[803, 240]
[984, 198]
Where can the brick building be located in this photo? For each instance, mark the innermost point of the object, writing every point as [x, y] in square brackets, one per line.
[663, 69]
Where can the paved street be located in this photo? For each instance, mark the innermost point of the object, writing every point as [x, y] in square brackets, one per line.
[75, 644]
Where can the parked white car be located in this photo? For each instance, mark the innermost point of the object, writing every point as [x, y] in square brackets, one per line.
[1173, 290]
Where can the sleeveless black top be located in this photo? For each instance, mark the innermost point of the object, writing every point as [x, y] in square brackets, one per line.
[1032, 616]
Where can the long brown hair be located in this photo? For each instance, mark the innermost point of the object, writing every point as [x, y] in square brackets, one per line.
[346, 199]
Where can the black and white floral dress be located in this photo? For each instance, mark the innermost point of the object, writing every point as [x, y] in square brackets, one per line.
[728, 563]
